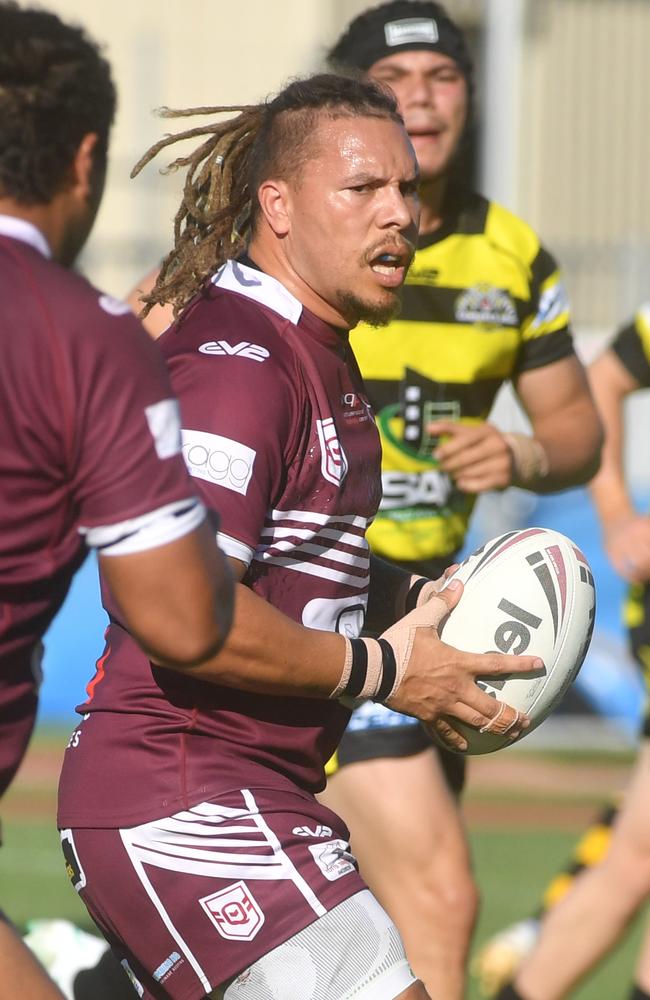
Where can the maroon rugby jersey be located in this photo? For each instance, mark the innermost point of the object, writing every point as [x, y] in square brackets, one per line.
[279, 437]
[81, 449]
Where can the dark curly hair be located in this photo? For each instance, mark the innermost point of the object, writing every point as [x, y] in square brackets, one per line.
[55, 87]
[219, 208]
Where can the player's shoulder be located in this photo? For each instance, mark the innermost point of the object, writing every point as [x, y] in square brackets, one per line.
[511, 233]
[55, 299]
[241, 320]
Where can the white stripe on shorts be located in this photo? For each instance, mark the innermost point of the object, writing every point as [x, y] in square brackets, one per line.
[212, 840]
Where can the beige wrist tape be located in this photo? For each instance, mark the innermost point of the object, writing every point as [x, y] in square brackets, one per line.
[375, 668]
[529, 459]
[415, 591]
[362, 670]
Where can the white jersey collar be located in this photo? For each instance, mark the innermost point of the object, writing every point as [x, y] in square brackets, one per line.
[21, 229]
[261, 287]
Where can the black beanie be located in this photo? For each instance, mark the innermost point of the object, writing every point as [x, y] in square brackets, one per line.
[401, 26]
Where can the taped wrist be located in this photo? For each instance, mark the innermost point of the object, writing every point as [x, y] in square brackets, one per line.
[414, 592]
[375, 668]
[529, 459]
[369, 670]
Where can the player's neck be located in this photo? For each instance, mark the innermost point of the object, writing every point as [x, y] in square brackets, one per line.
[432, 200]
[44, 217]
[264, 253]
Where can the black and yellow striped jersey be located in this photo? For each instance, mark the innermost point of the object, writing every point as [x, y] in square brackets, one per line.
[483, 301]
[632, 346]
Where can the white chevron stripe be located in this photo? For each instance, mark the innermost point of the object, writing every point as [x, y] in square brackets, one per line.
[266, 552]
[316, 569]
[342, 537]
[316, 518]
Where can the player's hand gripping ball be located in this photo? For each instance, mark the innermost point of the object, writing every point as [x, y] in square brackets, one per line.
[532, 592]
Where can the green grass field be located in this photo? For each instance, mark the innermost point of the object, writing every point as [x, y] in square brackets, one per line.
[512, 862]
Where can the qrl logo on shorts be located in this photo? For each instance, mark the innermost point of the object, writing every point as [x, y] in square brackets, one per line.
[234, 912]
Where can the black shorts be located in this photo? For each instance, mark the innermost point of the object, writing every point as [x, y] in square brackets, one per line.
[399, 741]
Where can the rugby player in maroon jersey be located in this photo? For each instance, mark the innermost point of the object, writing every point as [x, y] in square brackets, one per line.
[189, 823]
[89, 431]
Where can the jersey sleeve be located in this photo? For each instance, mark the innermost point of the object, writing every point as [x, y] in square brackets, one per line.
[240, 418]
[123, 426]
[546, 335]
[632, 346]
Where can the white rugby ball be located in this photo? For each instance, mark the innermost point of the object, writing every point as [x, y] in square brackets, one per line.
[526, 592]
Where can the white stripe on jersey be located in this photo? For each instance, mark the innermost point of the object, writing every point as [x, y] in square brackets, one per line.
[196, 842]
[284, 544]
[335, 555]
[317, 569]
[156, 527]
[355, 520]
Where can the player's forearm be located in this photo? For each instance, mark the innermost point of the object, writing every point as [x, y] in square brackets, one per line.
[571, 442]
[268, 653]
[608, 488]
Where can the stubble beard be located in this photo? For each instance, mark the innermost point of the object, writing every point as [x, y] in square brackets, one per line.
[357, 310]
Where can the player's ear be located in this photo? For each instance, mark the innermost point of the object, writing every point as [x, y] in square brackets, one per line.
[275, 204]
[84, 166]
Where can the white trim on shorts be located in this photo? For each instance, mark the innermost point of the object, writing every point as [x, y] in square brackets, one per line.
[186, 842]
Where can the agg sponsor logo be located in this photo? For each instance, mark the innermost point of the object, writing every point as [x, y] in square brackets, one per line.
[234, 912]
[333, 464]
[242, 350]
[218, 460]
[334, 859]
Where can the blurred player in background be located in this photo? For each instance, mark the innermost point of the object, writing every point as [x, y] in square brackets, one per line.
[483, 303]
[90, 450]
[584, 919]
[209, 865]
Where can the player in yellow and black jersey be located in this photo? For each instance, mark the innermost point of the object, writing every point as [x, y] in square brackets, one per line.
[603, 902]
[484, 303]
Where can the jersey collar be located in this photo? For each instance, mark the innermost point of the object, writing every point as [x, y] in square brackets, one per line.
[21, 229]
[254, 284]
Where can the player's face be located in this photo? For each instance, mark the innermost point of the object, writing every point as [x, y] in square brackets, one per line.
[355, 213]
[432, 95]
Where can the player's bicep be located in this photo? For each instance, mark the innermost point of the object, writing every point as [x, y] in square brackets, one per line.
[547, 392]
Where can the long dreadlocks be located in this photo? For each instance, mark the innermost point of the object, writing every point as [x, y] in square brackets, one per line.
[219, 207]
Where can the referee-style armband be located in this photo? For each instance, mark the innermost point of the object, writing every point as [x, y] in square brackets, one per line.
[529, 459]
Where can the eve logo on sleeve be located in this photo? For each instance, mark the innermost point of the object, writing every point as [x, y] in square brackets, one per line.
[242, 350]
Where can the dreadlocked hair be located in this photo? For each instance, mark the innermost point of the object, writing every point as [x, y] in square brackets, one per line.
[219, 208]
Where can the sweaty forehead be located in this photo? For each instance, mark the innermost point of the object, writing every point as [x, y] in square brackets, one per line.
[351, 145]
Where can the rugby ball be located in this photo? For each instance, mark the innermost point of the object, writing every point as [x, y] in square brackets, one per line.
[526, 592]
